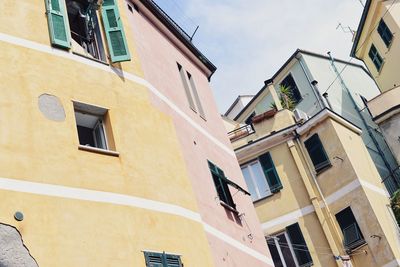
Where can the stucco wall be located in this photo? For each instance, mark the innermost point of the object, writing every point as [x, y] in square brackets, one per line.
[159, 57]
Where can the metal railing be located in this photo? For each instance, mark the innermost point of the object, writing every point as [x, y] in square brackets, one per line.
[352, 237]
[241, 132]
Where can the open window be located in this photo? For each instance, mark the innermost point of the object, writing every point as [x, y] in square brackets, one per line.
[352, 236]
[289, 248]
[77, 22]
[85, 28]
[93, 127]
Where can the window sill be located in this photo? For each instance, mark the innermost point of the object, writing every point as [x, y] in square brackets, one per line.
[323, 169]
[91, 58]
[99, 150]
[223, 204]
[264, 198]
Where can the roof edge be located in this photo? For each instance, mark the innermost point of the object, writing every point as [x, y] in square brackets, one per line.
[360, 29]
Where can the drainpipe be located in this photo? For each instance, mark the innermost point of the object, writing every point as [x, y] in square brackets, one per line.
[344, 86]
[270, 85]
[314, 200]
[321, 106]
[318, 94]
[325, 95]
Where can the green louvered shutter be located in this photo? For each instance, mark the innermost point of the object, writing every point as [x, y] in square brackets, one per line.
[117, 45]
[58, 23]
[154, 259]
[299, 245]
[173, 261]
[270, 173]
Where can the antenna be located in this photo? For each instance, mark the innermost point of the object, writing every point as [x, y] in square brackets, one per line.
[191, 37]
[346, 29]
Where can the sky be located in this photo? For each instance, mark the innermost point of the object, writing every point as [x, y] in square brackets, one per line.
[249, 40]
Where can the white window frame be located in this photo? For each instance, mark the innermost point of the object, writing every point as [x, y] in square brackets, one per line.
[278, 248]
[247, 165]
[101, 127]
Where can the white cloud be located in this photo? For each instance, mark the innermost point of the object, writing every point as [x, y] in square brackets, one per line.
[249, 40]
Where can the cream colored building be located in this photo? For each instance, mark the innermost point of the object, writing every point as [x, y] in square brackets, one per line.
[113, 152]
[316, 190]
[377, 44]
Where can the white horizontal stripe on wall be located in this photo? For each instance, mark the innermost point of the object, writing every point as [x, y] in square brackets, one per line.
[64, 54]
[289, 217]
[124, 200]
[394, 263]
[295, 215]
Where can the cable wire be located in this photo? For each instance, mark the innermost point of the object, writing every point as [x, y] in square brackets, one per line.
[362, 44]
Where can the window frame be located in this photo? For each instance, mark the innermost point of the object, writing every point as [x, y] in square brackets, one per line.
[385, 32]
[296, 101]
[289, 245]
[103, 121]
[375, 57]
[247, 165]
[219, 179]
[356, 244]
[325, 164]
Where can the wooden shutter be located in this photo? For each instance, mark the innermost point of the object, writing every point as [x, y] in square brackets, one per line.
[153, 259]
[173, 261]
[116, 40]
[317, 153]
[270, 173]
[299, 245]
[221, 185]
[58, 23]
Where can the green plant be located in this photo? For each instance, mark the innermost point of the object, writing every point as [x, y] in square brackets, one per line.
[395, 205]
[286, 98]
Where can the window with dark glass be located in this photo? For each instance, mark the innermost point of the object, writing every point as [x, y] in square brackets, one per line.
[352, 236]
[289, 83]
[289, 249]
[155, 259]
[317, 153]
[249, 121]
[375, 57]
[385, 33]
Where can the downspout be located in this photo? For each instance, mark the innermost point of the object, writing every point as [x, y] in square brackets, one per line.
[310, 82]
[325, 95]
[314, 199]
[343, 84]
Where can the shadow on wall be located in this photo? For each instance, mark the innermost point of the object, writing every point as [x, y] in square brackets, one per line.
[13, 252]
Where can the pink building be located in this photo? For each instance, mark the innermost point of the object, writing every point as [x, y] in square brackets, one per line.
[178, 76]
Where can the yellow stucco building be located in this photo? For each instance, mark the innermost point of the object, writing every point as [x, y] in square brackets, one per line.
[376, 43]
[316, 190]
[108, 132]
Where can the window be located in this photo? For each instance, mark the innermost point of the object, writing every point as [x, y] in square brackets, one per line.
[91, 123]
[85, 29]
[289, 249]
[261, 177]
[291, 85]
[79, 19]
[352, 236]
[191, 91]
[196, 95]
[317, 153]
[154, 259]
[221, 185]
[385, 33]
[375, 57]
[249, 120]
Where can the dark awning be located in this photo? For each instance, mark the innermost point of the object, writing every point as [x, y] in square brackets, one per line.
[235, 185]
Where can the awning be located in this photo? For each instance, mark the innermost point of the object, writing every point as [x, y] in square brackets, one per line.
[235, 185]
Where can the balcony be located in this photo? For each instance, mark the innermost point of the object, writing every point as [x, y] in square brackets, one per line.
[241, 132]
[352, 237]
[385, 105]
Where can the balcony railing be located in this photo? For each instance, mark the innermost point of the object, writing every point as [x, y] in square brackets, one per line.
[352, 237]
[241, 132]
